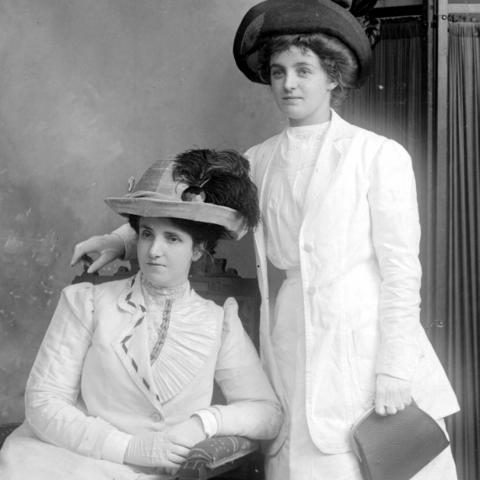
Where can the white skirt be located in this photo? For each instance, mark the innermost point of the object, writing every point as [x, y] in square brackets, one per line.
[26, 457]
[299, 458]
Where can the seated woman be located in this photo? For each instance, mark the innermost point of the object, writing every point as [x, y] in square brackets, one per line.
[122, 384]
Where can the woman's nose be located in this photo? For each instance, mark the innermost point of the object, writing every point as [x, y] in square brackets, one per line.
[156, 249]
[290, 81]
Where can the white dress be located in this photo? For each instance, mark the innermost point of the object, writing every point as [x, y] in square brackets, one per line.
[287, 182]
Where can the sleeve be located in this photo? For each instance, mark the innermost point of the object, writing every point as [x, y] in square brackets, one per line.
[252, 408]
[251, 154]
[396, 237]
[129, 238]
[53, 386]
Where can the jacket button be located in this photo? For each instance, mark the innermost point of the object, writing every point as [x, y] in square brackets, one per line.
[156, 417]
[308, 247]
[311, 290]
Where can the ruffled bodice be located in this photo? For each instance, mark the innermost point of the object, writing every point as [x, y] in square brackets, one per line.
[181, 336]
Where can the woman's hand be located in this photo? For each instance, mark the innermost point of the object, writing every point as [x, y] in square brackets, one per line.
[187, 433]
[107, 248]
[392, 394]
[168, 449]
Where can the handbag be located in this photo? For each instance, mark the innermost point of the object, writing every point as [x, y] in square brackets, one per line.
[396, 447]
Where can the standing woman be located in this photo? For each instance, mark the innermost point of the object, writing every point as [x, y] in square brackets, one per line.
[340, 218]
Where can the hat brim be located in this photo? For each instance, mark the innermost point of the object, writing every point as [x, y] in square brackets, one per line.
[226, 217]
[276, 17]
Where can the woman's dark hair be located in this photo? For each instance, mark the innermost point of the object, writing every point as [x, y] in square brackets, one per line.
[338, 61]
[205, 236]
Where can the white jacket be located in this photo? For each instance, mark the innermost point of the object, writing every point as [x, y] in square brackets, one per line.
[359, 246]
[92, 385]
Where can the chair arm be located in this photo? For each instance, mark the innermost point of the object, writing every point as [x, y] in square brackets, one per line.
[5, 430]
[216, 455]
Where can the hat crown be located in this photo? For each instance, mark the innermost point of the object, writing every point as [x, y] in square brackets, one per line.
[285, 17]
[199, 185]
[158, 179]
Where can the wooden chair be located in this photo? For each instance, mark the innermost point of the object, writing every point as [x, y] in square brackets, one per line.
[230, 457]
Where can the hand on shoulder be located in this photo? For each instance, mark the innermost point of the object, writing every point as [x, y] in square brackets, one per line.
[106, 248]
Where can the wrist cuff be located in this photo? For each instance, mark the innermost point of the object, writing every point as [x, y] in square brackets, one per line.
[115, 446]
[209, 422]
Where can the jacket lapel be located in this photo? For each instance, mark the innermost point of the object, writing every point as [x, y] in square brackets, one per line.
[131, 345]
[332, 149]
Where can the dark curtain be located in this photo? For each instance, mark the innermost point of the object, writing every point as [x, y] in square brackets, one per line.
[457, 304]
[394, 103]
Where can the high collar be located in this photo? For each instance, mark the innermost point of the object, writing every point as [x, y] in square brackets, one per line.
[156, 294]
[134, 296]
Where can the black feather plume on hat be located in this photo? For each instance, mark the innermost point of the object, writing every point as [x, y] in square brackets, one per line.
[224, 178]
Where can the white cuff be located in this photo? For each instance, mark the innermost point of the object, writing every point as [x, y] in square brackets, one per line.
[115, 446]
[209, 422]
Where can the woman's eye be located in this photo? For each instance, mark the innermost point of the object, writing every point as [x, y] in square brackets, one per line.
[303, 71]
[145, 234]
[173, 238]
[275, 73]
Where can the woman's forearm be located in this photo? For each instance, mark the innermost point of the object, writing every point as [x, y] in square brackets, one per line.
[258, 420]
[129, 238]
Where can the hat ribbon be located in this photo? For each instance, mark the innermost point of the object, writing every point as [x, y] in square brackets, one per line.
[161, 196]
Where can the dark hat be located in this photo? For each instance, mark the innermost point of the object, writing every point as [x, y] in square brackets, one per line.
[287, 17]
[158, 194]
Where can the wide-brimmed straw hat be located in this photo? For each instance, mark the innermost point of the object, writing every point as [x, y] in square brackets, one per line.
[287, 17]
[157, 194]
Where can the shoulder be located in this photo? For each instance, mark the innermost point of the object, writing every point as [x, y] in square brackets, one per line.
[77, 293]
[114, 287]
[259, 154]
[253, 152]
[89, 292]
[344, 131]
[205, 304]
[370, 147]
[226, 314]
[232, 325]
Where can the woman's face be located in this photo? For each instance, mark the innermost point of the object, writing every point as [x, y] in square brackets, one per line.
[165, 252]
[300, 86]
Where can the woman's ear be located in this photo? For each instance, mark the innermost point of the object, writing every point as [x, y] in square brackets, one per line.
[332, 86]
[197, 253]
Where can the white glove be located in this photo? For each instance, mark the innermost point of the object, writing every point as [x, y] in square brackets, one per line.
[392, 395]
[108, 247]
[155, 449]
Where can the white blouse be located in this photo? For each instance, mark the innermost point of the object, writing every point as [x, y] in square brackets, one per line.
[288, 179]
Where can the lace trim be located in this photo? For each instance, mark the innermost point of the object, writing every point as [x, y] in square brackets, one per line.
[193, 331]
[161, 332]
[155, 293]
[300, 146]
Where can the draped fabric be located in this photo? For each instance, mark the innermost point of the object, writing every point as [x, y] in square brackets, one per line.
[459, 339]
[393, 101]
